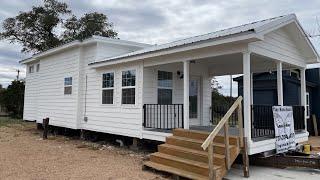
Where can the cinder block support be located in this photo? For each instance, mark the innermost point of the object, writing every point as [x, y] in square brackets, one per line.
[134, 145]
[82, 134]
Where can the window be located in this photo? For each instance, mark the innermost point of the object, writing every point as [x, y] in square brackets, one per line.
[31, 69]
[107, 88]
[307, 105]
[38, 68]
[68, 85]
[295, 73]
[128, 87]
[164, 87]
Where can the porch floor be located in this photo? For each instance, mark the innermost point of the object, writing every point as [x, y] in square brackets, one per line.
[233, 130]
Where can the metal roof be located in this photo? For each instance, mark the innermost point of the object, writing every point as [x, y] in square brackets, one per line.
[254, 26]
[89, 39]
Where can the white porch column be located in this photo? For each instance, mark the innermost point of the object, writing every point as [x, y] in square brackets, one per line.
[247, 95]
[303, 94]
[186, 94]
[279, 83]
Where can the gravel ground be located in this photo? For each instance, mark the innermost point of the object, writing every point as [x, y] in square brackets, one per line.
[24, 155]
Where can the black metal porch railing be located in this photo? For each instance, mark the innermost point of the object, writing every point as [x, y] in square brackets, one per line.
[218, 111]
[166, 117]
[298, 117]
[263, 123]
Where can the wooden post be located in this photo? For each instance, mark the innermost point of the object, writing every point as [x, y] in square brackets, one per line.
[279, 83]
[212, 174]
[240, 121]
[186, 69]
[303, 94]
[247, 94]
[226, 143]
[315, 125]
[245, 158]
[45, 124]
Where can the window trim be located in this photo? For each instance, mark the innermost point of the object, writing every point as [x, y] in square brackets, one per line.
[129, 87]
[64, 85]
[308, 105]
[108, 88]
[164, 87]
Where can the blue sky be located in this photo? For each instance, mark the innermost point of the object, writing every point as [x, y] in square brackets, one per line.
[160, 21]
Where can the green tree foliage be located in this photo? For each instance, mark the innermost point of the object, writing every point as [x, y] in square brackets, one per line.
[43, 27]
[88, 25]
[219, 99]
[12, 98]
[34, 29]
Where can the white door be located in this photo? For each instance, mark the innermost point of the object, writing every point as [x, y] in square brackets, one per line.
[194, 101]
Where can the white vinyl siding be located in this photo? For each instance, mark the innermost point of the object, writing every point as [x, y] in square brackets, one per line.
[116, 118]
[279, 45]
[150, 90]
[45, 90]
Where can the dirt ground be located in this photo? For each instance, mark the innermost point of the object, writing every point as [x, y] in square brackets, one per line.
[24, 155]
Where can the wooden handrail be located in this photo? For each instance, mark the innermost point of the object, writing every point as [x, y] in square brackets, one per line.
[220, 125]
[208, 143]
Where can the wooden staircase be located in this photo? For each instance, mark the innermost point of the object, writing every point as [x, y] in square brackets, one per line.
[202, 155]
[183, 155]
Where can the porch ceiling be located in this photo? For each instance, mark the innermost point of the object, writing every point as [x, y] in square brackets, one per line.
[233, 64]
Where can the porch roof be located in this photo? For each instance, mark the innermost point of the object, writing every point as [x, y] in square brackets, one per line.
[255, 29]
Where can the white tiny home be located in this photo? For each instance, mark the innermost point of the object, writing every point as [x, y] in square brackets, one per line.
[145, 91]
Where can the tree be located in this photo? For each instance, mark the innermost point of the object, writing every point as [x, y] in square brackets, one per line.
[35, 29]
[90, 24]
[219, 99]
[12, 98]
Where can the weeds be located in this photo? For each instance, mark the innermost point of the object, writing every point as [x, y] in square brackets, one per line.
[7, 121]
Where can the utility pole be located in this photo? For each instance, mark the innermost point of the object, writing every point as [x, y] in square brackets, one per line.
[18, 71]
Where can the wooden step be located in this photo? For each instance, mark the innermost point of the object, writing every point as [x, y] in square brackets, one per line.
[193, 134]
[182, 163]
[219, 148]
[201, 135]
[191, 154]
[176, 171]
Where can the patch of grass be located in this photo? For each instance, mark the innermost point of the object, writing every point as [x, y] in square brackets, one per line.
[7, 121]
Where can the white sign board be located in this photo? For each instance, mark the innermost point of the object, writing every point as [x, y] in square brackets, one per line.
[284, 128]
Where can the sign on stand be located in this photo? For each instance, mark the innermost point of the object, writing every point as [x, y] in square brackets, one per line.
[284, 128]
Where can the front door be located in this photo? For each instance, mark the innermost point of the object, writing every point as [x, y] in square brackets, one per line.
[194, 101]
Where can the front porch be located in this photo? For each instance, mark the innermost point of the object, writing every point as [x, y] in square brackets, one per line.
[182, 97]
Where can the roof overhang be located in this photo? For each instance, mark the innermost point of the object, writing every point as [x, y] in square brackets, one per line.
[255, 33]
[77, 43]
[243, 37]
[301, 38]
